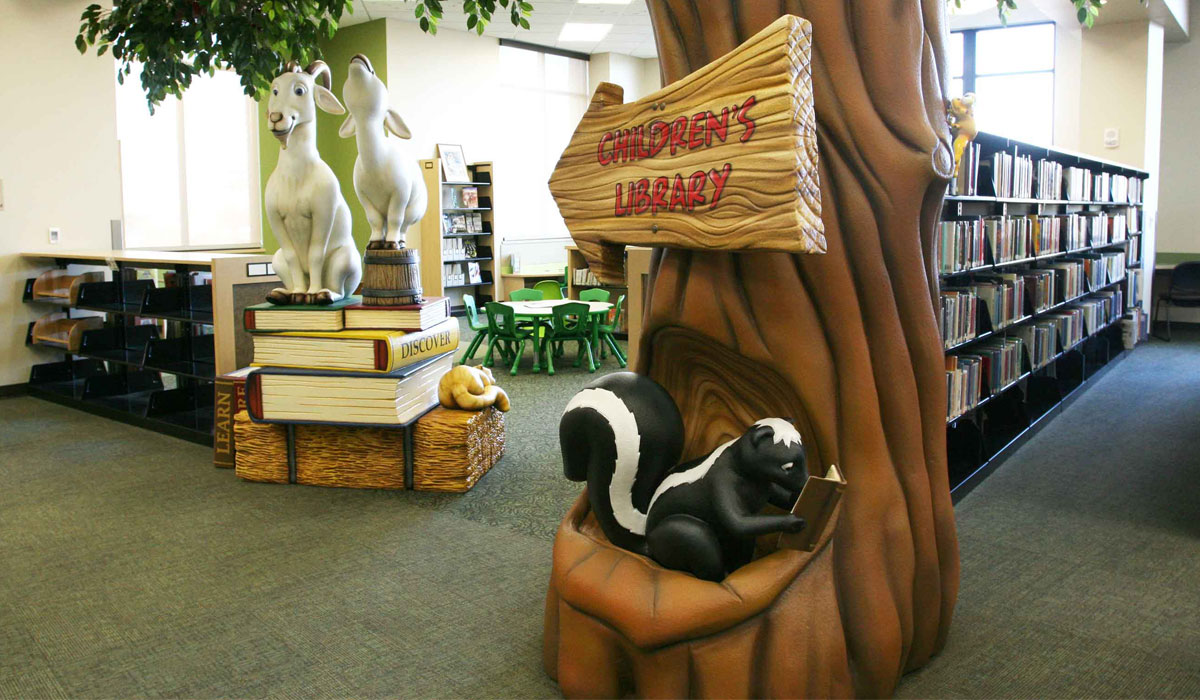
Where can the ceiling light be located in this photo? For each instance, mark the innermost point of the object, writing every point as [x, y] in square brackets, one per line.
[583, 31]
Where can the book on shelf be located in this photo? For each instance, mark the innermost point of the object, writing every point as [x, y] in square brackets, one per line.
[294, 395]
[1068, 322]
[817, 503]
[966, 182]
[468, 197]
[1133, 287]
[1001, 361]
[963, 383]
[1039, 288]
[1049, 179]
[297, 317]
[458, 223]
[958, 319]
[1047, 235]
[1078, 182]
[405, 317]
[584, 277]
[961, 245]
[479, 225]
[1068, 279]
[379, 351]
[229, 397]
[473, 274]
[1039, 338]
[1004, 295]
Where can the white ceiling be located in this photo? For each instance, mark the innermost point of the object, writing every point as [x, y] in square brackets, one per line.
[631, 33]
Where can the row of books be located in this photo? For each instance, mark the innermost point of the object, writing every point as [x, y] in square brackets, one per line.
[1012, 175]
[966, 180]
[1133, 251]
[460, 274]
[460, 197]
[466, 222]
[459, 249]
[1103, 268]
[348, 314]
[382, 376]
[1133, 287]
[995, 363]
[957, 321]
[583, 277]
[1049, 179]
[968, 244]
[1083, 185]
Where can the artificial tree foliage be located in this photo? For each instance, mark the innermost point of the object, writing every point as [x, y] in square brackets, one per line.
[176, 40]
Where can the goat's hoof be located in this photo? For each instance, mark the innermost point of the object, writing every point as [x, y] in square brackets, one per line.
[391, 245]
[300, 298]
[375, 245]
[322, 297]
[279, 296]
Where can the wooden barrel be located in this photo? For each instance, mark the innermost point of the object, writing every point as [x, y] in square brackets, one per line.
[391, 277]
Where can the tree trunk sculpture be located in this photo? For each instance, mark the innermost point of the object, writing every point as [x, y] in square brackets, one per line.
[846, 344]
[848, 340]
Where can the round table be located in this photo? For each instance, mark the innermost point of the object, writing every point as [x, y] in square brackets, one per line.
[539, 311]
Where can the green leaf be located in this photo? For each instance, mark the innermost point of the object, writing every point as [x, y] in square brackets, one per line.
[80, 44]
[425, 24]
[526, 7]
[103, 48]
[524, 23]
[472, 21]
[420, 10]
[1082, 14]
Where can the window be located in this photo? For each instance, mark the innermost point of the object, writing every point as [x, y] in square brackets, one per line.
[1011, 72]
[189, 172]
[545, 95]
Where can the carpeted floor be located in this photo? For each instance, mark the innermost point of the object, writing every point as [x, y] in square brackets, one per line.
[130, 567]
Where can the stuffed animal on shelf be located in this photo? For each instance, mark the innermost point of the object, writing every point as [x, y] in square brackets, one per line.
[623, 435]
[317, 260]
[386, 179]
[471, 389]
[962, 124]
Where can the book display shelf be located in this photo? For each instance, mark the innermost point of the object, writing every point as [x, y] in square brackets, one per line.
[579, 278]
[1039, 258]
[457, 236]
[137, 347]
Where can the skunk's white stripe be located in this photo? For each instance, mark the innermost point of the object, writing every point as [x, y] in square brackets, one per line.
[783, 431]
[690, 475]
[628, 442]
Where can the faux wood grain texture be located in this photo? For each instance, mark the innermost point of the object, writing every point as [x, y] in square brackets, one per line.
[771, 198]
[849, 338]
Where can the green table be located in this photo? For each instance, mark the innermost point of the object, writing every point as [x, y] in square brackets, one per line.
[540, 311]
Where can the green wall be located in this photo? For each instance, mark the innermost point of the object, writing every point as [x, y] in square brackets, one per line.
[369, 39]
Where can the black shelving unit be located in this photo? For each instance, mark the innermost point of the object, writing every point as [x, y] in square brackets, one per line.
[981, 438]
[131, 371]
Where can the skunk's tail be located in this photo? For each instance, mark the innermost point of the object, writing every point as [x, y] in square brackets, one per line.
[622, 434]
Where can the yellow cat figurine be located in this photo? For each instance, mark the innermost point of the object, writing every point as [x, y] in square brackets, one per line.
[962, 122]
[471, 389]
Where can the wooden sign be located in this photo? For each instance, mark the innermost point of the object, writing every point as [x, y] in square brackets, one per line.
[725, 159]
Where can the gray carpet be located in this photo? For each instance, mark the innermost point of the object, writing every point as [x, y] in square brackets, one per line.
[130, 567]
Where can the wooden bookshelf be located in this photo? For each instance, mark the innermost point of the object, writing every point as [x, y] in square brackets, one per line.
[982, 436]
[444, 201]
[575, 263]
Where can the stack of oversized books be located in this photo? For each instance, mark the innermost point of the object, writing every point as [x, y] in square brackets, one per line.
[331, 385]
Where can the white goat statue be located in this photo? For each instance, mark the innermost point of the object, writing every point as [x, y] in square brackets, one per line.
[388, 183]
[317, 259]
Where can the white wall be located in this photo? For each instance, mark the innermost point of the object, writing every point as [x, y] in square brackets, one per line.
[639, 76]
[1178, 229]
[58, 156]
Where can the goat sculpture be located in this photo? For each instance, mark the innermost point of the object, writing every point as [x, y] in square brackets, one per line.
[386, 180]
[317, 259]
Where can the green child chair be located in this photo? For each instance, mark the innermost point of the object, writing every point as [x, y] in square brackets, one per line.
[594, 295]
[475, 324]
[570, 323]
[503, 331]
[549, 289]
[525, 295]
[606, 333]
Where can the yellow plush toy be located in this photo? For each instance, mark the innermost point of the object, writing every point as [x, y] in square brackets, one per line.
[471, 389]
[962, 123]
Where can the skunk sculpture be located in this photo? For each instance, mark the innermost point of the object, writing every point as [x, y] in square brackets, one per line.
[623, 435]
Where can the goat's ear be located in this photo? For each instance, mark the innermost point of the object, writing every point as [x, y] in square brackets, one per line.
[347, 128]
[326, 100]
[396, 125]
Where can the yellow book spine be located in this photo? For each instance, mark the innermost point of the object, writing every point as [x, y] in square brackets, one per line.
[414, 347]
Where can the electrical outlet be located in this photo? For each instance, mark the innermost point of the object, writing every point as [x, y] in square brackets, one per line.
[54, 235]
[1112, 137]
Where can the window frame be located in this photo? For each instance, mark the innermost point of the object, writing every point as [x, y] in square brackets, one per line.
[970, 74]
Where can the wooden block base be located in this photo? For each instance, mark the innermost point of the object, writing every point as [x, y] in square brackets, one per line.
[453, 449]
[350, 457]
[262, 450]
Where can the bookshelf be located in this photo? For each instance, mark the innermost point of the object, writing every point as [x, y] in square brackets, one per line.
[446, 249]
[577, 270]
[1039, 257]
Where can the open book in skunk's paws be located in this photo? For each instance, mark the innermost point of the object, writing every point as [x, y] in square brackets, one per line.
[815, 506]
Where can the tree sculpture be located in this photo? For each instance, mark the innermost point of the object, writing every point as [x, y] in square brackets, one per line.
[849, 339]
[844, 342]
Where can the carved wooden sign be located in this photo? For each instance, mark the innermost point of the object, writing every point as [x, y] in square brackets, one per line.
[725, 159]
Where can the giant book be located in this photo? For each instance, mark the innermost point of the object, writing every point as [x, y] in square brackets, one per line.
[356, 351]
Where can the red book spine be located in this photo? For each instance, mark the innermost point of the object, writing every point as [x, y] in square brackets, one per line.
[381, 355]
[254, 395]
[248, 319]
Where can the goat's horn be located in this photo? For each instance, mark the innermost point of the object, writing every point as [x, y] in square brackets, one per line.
[292, 67]
[320, 72]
